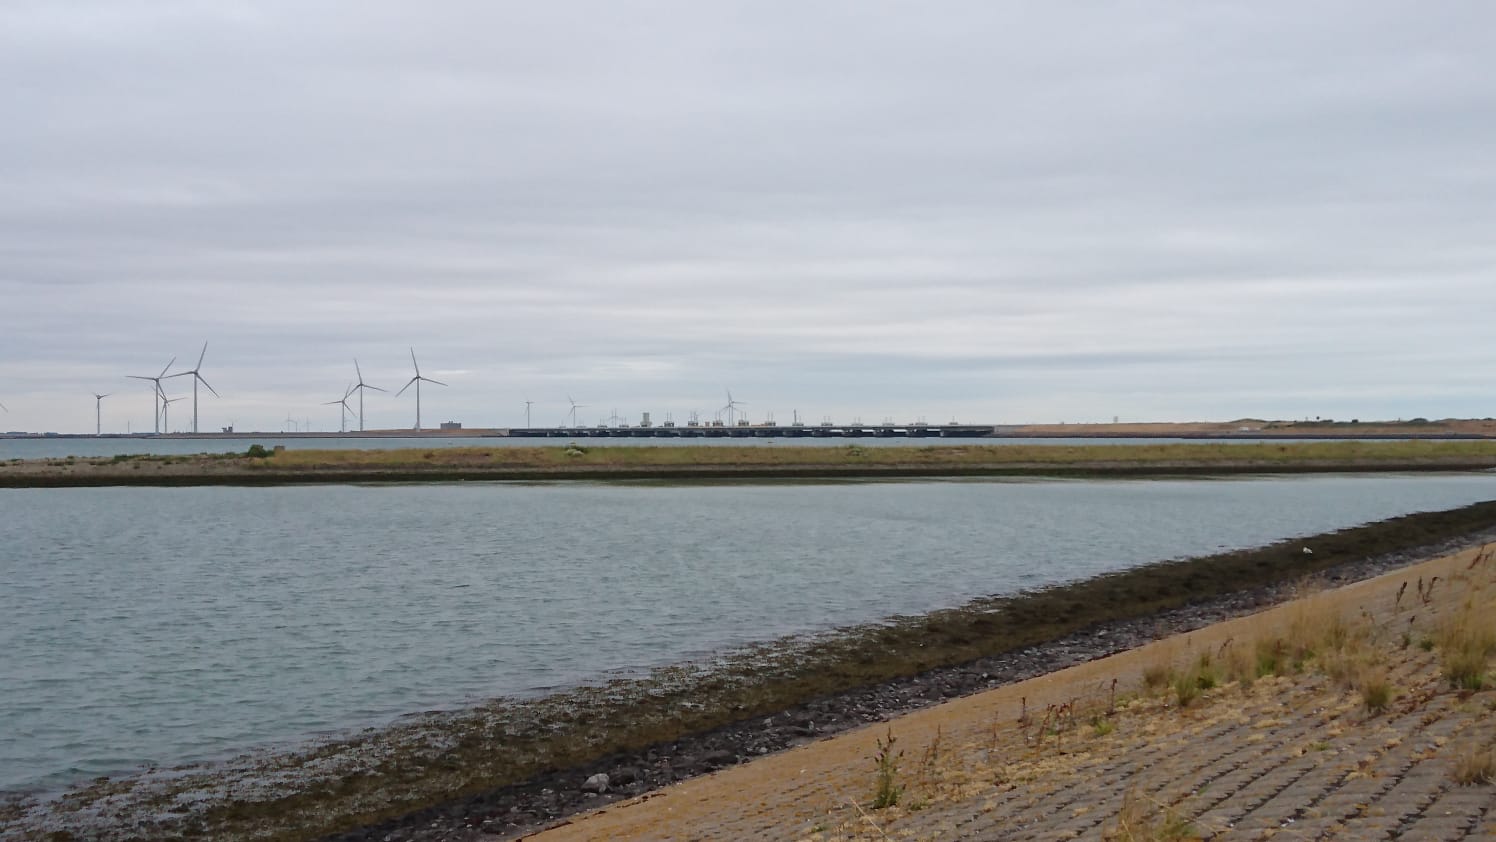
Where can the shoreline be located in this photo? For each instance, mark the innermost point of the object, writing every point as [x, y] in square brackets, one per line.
[524, 759]
[554, 799]
[1349, 712]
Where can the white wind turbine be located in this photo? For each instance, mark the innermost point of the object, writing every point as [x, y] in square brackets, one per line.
[197, 377]
[361, 387]
[158, 394]
[417, 381]
[528, 404]
[99, 413]
[343, 413]
[574, 407]
[731, 407]
[167, 402]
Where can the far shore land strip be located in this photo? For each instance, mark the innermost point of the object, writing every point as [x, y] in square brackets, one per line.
[258, 465]
[1244, 428]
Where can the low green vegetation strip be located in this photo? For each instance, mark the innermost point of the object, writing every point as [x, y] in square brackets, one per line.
[764, 461]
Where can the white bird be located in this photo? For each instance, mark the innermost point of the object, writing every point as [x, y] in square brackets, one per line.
[1308, 551]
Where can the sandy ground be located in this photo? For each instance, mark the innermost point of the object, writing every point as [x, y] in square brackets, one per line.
[1292, 757]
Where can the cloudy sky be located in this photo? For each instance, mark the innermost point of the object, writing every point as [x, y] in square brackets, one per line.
[996, 212]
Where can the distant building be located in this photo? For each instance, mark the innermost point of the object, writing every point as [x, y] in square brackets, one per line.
[449, 426]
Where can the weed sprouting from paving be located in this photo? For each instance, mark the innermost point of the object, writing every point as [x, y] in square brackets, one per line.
[1466, 642]
[1375, 688]
[1144, 819]
[1475, 766]
[886, 786]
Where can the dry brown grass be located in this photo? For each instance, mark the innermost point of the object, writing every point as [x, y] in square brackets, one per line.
[1475, 766]
[1466, 642]
[1317, 638]
[1144, 819]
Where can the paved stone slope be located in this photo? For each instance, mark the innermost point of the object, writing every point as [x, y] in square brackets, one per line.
[1076, 755]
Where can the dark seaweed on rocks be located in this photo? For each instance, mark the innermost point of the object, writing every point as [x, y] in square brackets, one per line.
[652, 732]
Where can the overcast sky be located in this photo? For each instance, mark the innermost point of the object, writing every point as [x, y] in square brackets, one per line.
[995, 212]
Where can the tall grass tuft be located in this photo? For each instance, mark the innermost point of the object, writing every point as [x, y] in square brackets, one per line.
[1144, 819]
[886, 787]
[1376, 689]
[1475, 766]
[1466, 642]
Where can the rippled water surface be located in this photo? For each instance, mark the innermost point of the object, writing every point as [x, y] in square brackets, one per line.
[160, 625]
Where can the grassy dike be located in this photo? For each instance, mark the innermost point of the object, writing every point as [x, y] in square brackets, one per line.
[756, 462]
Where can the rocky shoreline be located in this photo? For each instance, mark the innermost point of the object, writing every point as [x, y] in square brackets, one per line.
[547, 800]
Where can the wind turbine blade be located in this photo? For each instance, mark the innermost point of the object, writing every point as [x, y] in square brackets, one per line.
[359, 370]
[437, 382]
[205, 383]
[406, 386]
[178, 374]
[375, 388]
[201, 356]
[414, 363]
[168, 365]
[331, 403]
[138, 377]
[2, 407]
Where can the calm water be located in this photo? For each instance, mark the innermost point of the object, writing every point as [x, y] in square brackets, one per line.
[158, 625]
[56, 448]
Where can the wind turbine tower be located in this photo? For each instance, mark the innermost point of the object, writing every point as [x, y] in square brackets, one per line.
[417, 381]
[99, 413]
[528, 404]
[731, 407]
[158, 394]
[342, 413]
[360, 387]
[197, 377]
[167, 402]
[574, 407]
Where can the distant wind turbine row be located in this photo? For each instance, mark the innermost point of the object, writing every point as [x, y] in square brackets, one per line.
[161, 402]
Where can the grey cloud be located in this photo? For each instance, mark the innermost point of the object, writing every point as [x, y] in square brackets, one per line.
[995, 211]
